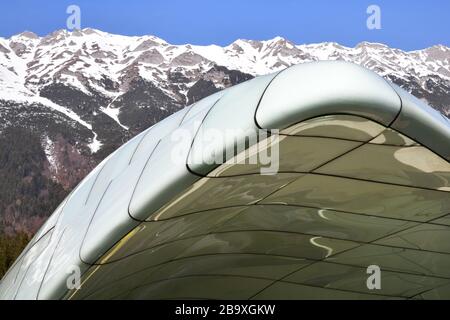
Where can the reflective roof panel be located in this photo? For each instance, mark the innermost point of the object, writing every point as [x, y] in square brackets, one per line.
[424, 124]
[364, 197]
[411, 165]
[229, 122]
[313, 89]
[336, 126]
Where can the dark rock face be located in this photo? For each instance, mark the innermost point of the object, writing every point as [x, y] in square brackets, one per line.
[202, 88]
[143, 105]
[435, 92]
[207, 84]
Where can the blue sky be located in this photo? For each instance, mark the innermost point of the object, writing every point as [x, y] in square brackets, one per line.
[404, 24]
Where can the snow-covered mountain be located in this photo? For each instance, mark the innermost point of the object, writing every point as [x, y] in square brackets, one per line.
[102, 68]
[93, 61]
[81, 94]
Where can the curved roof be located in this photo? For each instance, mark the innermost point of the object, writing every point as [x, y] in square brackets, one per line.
[362, 177]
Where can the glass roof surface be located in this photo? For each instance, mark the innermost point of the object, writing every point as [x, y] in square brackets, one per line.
[366, 196]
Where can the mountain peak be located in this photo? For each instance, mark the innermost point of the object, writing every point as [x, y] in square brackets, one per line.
[366, 44]
[438, 47]
[28, 34]
[277, 39]
[91, 31]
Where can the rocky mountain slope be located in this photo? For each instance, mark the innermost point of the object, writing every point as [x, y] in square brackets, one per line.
[68, 99]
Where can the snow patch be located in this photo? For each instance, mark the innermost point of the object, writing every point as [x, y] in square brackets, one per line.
[113, 113]
[95, 145]
[49, 149]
